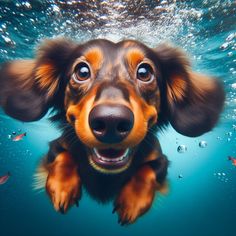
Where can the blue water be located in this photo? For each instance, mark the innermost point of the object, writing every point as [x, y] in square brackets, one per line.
[200, 203]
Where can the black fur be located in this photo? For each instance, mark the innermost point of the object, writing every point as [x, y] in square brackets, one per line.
[199, 111]
[22, 97]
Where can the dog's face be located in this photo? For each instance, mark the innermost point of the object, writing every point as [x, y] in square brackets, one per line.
[112, 99]
[112, 94]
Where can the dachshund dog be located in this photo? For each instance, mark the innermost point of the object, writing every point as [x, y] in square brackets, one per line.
[109, 99]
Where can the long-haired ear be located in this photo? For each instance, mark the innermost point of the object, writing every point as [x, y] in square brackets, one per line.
[28, 88]
[191, 102]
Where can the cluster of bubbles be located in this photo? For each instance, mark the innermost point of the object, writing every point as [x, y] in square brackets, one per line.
[10, 136]
[229, 44]
[183, 148]
[221, 176]
[228, 48]
[229, 135]
[202, 144]
[24, 23]
[6, 36]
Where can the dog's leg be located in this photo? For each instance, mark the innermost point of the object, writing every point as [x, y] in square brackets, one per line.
[137, 195]
[63, 183]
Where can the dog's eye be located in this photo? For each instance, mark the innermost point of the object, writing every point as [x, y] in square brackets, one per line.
[81, 72]
[145, 72]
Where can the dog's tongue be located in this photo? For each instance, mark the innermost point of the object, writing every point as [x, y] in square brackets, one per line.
[111, 153]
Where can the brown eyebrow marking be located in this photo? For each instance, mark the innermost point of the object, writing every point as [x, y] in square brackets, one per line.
[129, 44]
[134, 57]
[94, 57]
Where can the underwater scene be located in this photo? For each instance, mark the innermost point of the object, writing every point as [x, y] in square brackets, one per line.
[201, 194]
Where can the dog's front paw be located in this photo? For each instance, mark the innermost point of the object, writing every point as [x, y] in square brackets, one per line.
[64, 191]
[133, 201]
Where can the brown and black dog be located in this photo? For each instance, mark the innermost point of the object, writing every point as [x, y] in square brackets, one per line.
[110, 99]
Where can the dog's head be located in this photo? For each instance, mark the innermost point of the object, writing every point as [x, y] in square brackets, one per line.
[112, 94]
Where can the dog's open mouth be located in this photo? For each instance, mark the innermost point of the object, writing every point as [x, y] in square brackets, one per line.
[110, 160]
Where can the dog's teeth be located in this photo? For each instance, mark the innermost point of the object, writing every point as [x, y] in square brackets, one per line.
[126, 152]
[118, 159]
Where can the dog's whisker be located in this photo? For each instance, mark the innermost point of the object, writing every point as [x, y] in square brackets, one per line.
[68, 134]
[73, 141]
[149, 144]
[151, 131]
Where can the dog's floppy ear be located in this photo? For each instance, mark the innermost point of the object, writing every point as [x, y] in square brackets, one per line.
[191, 102]
[28, 88]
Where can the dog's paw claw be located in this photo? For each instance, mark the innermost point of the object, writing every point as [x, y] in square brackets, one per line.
[116, 207]
[62, 210]
[63, 194]
[129, 206]
[76, 202]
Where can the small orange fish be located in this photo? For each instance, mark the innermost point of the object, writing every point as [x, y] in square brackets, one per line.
[4, 178]
[18, 137]
[232, 159]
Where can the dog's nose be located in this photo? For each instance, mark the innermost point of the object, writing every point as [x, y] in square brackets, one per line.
[111, 123]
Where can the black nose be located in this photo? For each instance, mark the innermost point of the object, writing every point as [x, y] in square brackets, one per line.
[111, 123]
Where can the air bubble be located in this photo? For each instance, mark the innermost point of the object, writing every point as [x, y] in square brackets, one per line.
[68, 22]
[3, 27]
[55, 8]
[181, 148]
[8, 41]
[231, 36]
[224, 46]
[164, 2]
[233, 85]
[230, 54]
[202, 144]
[26, 5]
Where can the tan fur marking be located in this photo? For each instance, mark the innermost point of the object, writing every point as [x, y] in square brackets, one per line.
[162, 188]
[40, 177]
[129, 44]
[94, 57]
[202, 84]
[63, 182]
[137, 195]
[81, 112]
[152, 156]
[22, 69]
[142, 112]
[134, 57]
[176, 89]
[45, 77]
